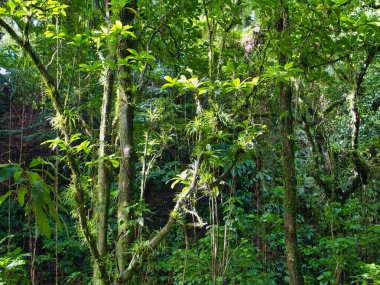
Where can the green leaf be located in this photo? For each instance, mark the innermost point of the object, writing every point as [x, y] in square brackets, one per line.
[255, 80]
[21, 195]
[34, 177]
[93, 66]
[7, 171]
[75, 137]
[175, 182]
[127, 33]
[113, 159]
[132, 10]
[84, 146]
[236, 82]
[37, 161]
[202, 91]
[12, 6]
[134, 52]
[54, 143]
[42, 221]
[229, 68]
[3, 11]
[5, 196]
[288, 65]
[168, 78]
[17, 176]
[118, 24]
[115, 163]
[49, 34]
[167, 85]
[22, 13]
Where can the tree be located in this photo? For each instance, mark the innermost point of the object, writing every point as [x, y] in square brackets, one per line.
[210, 99]
[287, 139]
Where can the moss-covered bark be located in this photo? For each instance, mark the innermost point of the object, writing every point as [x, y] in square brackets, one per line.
[289, 171]
[127, 196]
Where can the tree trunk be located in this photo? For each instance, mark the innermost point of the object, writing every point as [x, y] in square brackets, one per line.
[287, 139]
[104, 171]
[290, 197]
[127, 195]
[102, 196]
[361, 170]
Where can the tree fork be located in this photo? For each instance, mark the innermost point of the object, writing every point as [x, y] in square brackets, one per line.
[137, 257]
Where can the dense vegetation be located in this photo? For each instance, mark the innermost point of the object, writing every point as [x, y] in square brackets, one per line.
[189, 142]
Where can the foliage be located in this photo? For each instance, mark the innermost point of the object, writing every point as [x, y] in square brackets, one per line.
[164, 159]
[12, 262]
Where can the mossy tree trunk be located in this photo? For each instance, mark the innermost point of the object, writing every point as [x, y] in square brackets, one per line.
[127, 196]
[104, 167]
[102, 195]
[288, 164]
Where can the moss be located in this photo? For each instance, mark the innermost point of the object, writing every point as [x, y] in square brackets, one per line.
[174, 214]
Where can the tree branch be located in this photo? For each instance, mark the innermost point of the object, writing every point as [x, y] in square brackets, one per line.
[330, 61]
[155, 240]
[333, 106]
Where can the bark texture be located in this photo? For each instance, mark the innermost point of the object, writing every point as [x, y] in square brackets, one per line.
[361, 169]
[290, 196]
[127, 196]
[287, 139]
[104, 170]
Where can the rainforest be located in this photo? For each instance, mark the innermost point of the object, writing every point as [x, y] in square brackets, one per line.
[215, 142]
